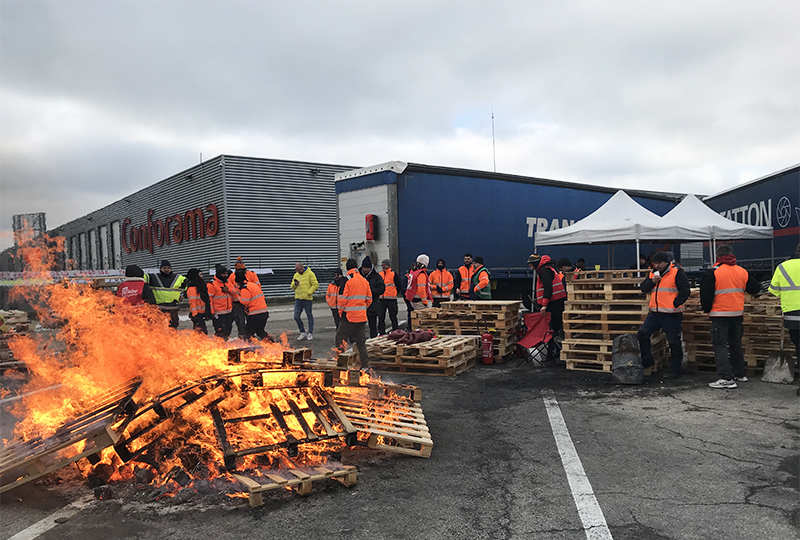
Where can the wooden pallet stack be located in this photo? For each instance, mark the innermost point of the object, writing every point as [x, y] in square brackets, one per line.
[602, 305]
[474, 317]
[443, 355]
[762, 333]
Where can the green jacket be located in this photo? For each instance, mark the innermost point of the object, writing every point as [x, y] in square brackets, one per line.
[308, 284]
[486, 292]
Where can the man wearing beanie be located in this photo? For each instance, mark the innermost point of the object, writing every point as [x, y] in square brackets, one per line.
[167, 287]
[377, 287]
[441, 283]
[669, 289]
[388, 300]
[134, 291]
[332, 295]
[481, 286]
[222, 297]
[354, 298]
[239, 313]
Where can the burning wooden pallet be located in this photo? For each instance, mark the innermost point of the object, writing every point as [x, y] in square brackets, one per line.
[96, 430]
[300, 480]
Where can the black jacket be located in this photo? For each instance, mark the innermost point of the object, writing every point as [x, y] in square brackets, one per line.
[376, 285]
[708, 287]
[681, 282]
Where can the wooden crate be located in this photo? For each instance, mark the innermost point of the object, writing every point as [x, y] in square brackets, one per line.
[299, 479]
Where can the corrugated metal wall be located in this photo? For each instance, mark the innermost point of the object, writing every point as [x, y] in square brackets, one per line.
[193, 188]
[280, 213]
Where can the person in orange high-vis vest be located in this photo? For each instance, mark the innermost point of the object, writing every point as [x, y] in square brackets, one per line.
[441, 283]
[255, 305]
[388, 300]
[355, 296]
[419, 291]
[222, 297]
[550, 297]
[332, 295]
[463, 278]
[722, 291]
[669, 289]
[199, 301]
[239, 313]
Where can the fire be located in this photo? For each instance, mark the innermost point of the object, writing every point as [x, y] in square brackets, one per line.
[101, 344]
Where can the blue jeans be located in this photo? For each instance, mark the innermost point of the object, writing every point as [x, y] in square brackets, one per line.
[299, 307]
[672, 324]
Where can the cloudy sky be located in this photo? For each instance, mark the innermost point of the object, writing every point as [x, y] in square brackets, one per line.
[100, 99]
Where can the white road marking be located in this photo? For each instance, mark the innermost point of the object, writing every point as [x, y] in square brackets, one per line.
[20, 396]
[594, 522]
[44, 525]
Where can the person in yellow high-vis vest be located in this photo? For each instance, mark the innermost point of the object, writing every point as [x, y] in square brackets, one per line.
[167, 287]
[785, 284]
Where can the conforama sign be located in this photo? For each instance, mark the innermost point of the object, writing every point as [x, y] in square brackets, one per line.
[179, 228]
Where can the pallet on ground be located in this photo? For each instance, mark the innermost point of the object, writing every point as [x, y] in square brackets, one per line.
[595, 355]
[483, 305]
[297, 479]
[416, 369]
[442, 345]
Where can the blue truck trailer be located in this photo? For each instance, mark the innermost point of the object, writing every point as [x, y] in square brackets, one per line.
[398, 210]
[772, 200]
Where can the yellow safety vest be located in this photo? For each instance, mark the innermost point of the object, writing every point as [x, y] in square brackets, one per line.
[786, 285]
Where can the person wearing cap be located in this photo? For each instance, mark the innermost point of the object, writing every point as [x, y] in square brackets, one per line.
[785, 284]
[251, 297]
[134, 291]
[388, 300]
[355, 296]
[669, 289]
[463, 278]
[550, 297]
[239, 312]
[332, 295]
[199, 301]
[441, 283]
[377, 287]
[304, 284]
[481, 288]
[419, 291]
[167, 288]
[722, 289]
[222, 296]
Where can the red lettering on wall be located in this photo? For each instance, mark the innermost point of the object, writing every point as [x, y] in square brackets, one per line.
[212, 225]
[124, 235]
[177, 232]
[191, 225]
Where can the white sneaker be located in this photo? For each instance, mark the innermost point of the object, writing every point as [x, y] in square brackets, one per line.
[723, 383]
[741, 379]
[310, 337]
[302, 336]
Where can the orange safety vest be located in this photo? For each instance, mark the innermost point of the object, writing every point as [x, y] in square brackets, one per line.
[249, 276]
[662, 297]
[444, 279]
[332, 295]
[252, 298]
[355, 298]
[221, 302]
[196, 304]
[466, 278]
[730, 282]
[388, 279]
[422, 293]
[559, 290]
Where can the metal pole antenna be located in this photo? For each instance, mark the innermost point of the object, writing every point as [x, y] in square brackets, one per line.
[494, 155]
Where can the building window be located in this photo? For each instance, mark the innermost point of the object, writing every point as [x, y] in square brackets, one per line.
[105, 261]
[116, 247]
[83, 263]
[94, 262]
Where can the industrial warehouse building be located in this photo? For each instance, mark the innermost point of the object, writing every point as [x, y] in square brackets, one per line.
[272, 213]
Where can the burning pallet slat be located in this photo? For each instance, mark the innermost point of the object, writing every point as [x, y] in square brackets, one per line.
[95, 429]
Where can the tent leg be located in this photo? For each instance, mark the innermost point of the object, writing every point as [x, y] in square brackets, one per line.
[638, 257]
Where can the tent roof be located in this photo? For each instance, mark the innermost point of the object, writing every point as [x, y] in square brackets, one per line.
[620, 219]
[706, 223]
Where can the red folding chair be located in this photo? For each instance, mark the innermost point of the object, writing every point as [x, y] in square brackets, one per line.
[535, 339]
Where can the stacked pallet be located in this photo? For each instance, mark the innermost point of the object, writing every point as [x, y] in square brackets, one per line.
[443, 355]
[601, 306]
[474, 317]
[762, 333]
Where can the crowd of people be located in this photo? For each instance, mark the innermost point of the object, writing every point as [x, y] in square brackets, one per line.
[361, 297]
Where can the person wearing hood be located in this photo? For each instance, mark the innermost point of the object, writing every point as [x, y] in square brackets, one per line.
[167, 288]
[669, 289]
[481, 286]
[199, 302]
[377, 287]
[388, 300]
[134, 291]
[785, 284]
[332, 295]
[239, 312]
[222, 297]
[441, 283]
[722, 289]
[304, 283]
[550, 296]
[418, 292]
[251, 297]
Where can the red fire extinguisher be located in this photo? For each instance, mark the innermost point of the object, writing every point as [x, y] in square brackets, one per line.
[487, 345]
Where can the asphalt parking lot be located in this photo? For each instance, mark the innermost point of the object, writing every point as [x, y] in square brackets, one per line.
[665, 460]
